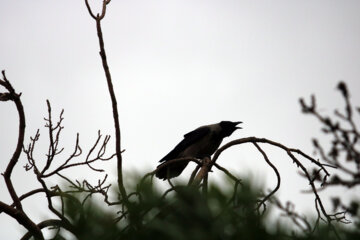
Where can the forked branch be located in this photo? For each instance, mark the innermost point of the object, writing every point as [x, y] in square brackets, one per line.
[18, 212]
[118, 151]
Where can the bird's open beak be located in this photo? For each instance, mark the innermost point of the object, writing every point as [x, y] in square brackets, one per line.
[236, 123]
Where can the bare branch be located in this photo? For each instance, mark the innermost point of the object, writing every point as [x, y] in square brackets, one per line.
[22, 219]
[290, 152]
[193, 174]
[53, 143]
[276, 172]
[89, 9]
[227, 172]
[205, 168]
[300, 221]
[49, 223]
[264, 140]
[118, 151]
[15, 157]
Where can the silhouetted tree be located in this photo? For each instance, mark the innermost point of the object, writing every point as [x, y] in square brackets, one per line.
[193, 211]
[343, 152]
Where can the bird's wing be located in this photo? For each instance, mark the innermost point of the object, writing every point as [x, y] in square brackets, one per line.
[189, 139]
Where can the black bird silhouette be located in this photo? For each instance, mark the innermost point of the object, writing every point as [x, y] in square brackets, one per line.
[199, 143]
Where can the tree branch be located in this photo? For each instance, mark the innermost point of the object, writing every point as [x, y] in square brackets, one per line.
[49, 223]
[14, 159]
[276, 172]
[98, 19]
[17, 213]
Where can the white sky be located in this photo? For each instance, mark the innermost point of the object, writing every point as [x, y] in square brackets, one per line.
[176, 65]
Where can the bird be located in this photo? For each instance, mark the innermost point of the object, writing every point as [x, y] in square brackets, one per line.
[199, 143]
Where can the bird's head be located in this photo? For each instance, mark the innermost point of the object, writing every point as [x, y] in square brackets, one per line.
[227, 127]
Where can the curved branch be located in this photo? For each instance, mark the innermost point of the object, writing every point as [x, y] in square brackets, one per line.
[235, 179]
[49, 223]
[276, 172]
[264, 140]
[290, 152]
[28, 194]
[14, 159]
[89, 9]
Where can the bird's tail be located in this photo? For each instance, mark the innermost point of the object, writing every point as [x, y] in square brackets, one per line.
[167, 171]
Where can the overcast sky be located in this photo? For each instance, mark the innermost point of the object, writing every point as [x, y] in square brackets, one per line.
[176, 65]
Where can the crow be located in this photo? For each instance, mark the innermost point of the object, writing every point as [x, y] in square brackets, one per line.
[199, 143]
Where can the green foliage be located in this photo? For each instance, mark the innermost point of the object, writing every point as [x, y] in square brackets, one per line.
[184, 213]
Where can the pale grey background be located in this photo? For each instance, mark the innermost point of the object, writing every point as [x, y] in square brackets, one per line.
[176, 65]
